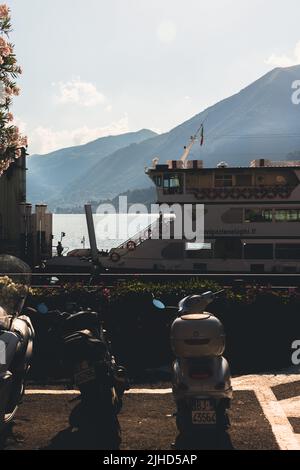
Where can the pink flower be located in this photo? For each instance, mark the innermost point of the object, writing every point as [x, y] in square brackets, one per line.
[14, 137]
[24, 141]
[3, 43]
[10, 117]
[8, 90]
[5, 48]
[15, 133]
[6, 51]
[1, 60]
[16, 91]
[4, 11]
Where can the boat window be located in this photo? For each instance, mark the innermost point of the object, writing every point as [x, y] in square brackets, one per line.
[287, 215]
[287, 252]
[258, 215]
[223, 181]
[258, 251]
[158, 181]
[243, 180]
[173, 184]
[192, 181]
[195, 181]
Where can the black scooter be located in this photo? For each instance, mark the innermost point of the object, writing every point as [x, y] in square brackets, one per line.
[81, 344]
[16, 338]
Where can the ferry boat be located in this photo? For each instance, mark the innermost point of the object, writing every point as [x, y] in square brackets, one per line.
[252, 220]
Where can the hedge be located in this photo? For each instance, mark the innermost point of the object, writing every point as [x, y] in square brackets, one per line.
[260, 323]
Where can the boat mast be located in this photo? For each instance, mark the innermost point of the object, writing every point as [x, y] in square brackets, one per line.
[187, 150]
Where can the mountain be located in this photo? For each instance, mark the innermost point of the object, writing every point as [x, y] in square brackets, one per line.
[49, 174]
[258, 122]
[293, 155]
[146, 196]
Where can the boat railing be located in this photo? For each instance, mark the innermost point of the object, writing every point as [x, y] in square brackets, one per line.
[141, 236]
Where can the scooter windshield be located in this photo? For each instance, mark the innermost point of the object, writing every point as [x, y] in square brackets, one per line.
[15, 278]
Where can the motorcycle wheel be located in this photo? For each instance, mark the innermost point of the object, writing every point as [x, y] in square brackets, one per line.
[12, 407]
[10, 416]
[5, 425]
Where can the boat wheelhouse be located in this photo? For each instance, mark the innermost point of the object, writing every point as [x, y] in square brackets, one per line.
[252, 220]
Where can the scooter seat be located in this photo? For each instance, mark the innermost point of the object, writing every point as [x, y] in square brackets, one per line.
[83, 343]
[85, 319]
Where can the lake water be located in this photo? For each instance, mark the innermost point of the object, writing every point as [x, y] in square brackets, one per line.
[75, 228]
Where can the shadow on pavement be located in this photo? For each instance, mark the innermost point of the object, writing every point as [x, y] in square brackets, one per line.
[147, 423]
[70, 439]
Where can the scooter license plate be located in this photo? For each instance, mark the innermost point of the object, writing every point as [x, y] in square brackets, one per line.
[84, 374]
[203, 412]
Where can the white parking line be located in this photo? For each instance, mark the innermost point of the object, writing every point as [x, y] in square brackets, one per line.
[44, 391]
[291, 406]
[132, 391]
[274, 412]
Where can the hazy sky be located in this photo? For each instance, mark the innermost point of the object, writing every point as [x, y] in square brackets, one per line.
[98, 67]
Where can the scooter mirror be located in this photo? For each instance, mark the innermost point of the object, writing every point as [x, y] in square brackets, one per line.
[42, 308]
[159, 304]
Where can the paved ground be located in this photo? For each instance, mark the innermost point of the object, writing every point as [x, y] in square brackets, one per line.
[279, 398]
[265, 414]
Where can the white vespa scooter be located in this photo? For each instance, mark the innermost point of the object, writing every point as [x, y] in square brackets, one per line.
[201, 377]
[16, 337]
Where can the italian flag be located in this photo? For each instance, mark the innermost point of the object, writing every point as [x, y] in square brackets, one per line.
[202, 135]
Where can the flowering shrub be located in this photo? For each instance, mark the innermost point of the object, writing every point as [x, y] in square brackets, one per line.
[132, 291]
[10, 294]
[261, 323]
[169, 291]
[11, 141]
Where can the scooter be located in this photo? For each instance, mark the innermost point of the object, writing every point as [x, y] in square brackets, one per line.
[201, 376]
[84, 351]
[16, 337]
